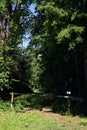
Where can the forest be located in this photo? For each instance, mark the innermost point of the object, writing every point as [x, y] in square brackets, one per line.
[55, 60]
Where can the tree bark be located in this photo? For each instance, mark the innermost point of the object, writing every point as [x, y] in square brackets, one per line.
[2, 33]
[85, 63]
[76, 71]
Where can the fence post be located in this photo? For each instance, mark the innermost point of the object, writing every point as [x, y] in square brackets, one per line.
[12, 99]
[69, 101]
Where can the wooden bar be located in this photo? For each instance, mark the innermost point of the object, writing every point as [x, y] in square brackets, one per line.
[72, 98]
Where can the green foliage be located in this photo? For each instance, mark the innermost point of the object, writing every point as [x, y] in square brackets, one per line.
[21, 102]
[14, 23]
[83, 122]
[59, 23]
[56, 48]
[4, 105]
[58, 29]
[5, 65]
[72, 35]
[35, 68]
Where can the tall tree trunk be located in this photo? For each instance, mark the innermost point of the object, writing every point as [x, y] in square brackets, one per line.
[2, 33]
[76, 73]
[85, 63]
[85, 77]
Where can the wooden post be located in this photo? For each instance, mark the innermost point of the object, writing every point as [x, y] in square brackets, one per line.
[12, 99]
[69, 104]
[69, 101]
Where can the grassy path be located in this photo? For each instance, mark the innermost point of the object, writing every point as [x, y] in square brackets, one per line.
[40, 120]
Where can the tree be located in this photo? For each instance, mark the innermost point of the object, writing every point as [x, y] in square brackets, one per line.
[58, 33]
[14, 22]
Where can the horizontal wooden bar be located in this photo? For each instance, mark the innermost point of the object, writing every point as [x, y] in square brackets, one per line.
[72, 98]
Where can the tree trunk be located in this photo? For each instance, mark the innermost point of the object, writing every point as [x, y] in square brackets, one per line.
[76, 72]
[2, 33]
[85, 63]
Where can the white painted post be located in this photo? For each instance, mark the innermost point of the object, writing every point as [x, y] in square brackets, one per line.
[69, 101]
[12, 99]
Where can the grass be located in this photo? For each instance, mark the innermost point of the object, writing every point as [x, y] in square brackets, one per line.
[39, 112]
[37, 120]
[25, 121]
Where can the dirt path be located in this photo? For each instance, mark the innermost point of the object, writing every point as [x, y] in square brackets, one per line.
[60, 118]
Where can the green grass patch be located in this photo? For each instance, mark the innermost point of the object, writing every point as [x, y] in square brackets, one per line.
[34, 120]
[26, 121]
[38, 112]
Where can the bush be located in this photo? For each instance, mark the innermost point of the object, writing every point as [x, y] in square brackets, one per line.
[21, 101]
[4, 105]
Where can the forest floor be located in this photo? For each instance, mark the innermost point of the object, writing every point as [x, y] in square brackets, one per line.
[41, 112]
[59, 118]
[40, 120]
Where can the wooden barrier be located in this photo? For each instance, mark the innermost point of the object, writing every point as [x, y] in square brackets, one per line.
[69, 98]
[72, 98]
[12, 98]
